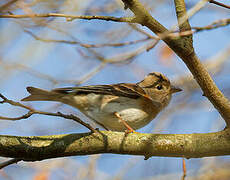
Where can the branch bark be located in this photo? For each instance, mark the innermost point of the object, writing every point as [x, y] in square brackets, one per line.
[169, 145]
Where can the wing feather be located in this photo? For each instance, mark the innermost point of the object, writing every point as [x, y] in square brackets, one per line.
[123, 89]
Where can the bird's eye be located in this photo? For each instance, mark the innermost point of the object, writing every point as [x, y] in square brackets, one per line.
[159, 87]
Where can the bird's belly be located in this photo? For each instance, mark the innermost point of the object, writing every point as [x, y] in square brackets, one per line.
[132, 111]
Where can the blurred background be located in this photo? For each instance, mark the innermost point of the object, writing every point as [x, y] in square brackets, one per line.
[55, 52]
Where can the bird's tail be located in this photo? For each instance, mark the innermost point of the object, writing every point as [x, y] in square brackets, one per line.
[37, 94]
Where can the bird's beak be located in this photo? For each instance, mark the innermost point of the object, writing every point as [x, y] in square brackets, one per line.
[175, 89]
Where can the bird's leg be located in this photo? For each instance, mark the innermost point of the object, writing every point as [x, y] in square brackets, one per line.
[129, 129]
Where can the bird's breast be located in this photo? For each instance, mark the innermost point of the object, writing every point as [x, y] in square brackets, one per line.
[101, 108]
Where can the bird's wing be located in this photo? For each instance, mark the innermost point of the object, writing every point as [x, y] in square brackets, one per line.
[123, 89]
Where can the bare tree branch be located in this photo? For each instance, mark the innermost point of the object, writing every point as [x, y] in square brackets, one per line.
[84, 44]
[183, 32]
[169, 145]
[219, 4]
[33, 111]
[9, 162]
[214, 25]
[70, 17]
[6, 5]
[184, 49]
[181, 12]
[125, 57]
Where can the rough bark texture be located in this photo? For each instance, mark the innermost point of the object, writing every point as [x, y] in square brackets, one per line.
[170, 145]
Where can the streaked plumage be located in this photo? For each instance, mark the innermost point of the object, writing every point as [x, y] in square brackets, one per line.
[137, 104]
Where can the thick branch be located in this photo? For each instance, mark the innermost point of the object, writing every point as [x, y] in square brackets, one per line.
[185, 51]
[170, 145]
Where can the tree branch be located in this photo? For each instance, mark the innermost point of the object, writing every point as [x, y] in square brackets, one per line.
[87, 45]
[181, 13]
[70, 17]
[219, 4]
[183, 22]
[214, 25]
[6, 5]
[185, 51]
[33, 111]
[125, 57]
[9, 162]
[36, 148]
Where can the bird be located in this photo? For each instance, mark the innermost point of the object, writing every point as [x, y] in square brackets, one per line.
[116, 107]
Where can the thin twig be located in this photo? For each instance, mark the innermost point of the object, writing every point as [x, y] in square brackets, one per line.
[33, 111]
[173, 32]
[214, 25]
[84, 44]
[5, 6]
[120, 58]
[219, 4]
[14, 103]
[134, 26]
[9, 162]
[70, 17]
[8, 66]
[68, 116]
[25, 116]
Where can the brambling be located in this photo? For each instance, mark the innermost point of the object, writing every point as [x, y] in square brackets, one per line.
[115, 107]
